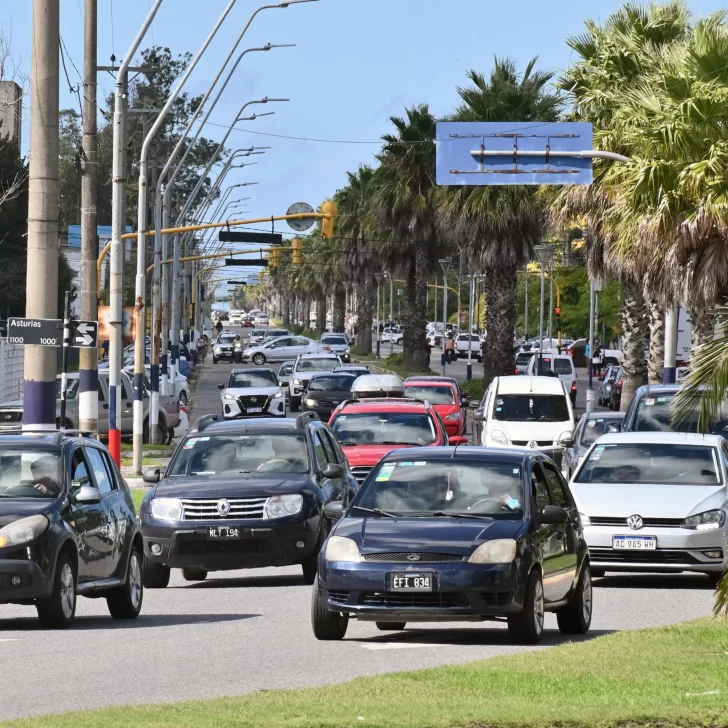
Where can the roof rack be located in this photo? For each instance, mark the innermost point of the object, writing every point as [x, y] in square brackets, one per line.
[305, 417]
[58, 435]
[204, 422]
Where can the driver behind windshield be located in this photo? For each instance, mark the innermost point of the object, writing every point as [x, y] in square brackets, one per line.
[43, 471]
[287, 457]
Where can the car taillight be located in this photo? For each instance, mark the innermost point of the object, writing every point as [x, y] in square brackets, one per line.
[619, 386]
[516, 371]
[573, 386]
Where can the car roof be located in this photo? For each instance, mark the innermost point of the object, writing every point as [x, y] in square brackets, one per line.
[431, 378]
[321, 375]
[252, 370]
[656, 438]
[258, 424]
[490, 454]
[603, 416]
[322, 355]
[649, 389]
[530, 385]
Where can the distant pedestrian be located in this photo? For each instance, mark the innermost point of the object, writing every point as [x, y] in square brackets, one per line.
[597, 360]
[105, 348]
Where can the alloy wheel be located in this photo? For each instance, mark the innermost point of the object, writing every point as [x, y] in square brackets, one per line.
[538, 607]
[67, 591]
[586, 598]
[135, 581]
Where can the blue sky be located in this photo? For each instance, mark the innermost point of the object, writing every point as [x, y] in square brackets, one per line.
[357, 62]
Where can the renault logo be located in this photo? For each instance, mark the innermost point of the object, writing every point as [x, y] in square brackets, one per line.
[635, 522]
[532, 444]
[413, 557]
[223, 507]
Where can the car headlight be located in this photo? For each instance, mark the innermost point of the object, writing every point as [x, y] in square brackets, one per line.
[217, 349]
[167, 509]
[310, 402]
[498, 551]
[347, 351]
[704, 521]
[22, 531]
[278, 395]
[279, 506]
[339, 548]
[499, 436]
[228, 396]
[585, 520]
[298, 382]
[454, 417]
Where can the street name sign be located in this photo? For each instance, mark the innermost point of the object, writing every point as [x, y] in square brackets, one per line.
[35, 332]
[232, 236]
[85, 334]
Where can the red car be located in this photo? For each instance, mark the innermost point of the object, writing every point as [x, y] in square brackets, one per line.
[444, 397]
[370, 429]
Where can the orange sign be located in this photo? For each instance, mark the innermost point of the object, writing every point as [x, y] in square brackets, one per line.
[105, 325]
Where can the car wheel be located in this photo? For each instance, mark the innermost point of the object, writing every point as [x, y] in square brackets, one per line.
[154, 576]
[214, 360]
[58, 610]
[326, 625]
[576, 616]
[526, 627]
[125, 602]
[391, 626]
[192, 574]
[258, 359]
[170, 436]
[310, 563]
[294, 405]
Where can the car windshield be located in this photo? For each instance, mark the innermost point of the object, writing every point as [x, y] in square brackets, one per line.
[334, 383]
[71, 388]
[436, 394]
[385, 428]
[421, 486]
[654, 414]
[243, 380]
[234, 454]
[638, 463]
[336, 340]
[531, 408]
[594, 428]
[285, 370]
[316, 365]
[29, 473]
[226, 338]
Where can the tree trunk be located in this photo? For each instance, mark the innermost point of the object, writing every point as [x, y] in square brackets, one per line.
[339, 310]
[416, 352]
[286, 312]
[320, 315]
[306, 313]
[364, 316]
[500, 322]
[702, 323]
[656, 362]
[634, 333]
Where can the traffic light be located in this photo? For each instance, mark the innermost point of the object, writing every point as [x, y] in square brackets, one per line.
[331, 209]
[276, 257]
[297, 244]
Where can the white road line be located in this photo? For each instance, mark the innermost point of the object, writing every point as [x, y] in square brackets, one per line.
[11, 640]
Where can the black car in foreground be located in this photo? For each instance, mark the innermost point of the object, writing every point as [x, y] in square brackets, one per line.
[67, 527]
[441, 534]
[326, 391]
[243, 494]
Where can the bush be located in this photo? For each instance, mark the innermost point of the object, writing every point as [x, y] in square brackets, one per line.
[395, 360]
[475, 389]
[296, 329]
[311, 334]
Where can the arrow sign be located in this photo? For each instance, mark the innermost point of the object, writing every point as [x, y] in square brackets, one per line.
[84, 334]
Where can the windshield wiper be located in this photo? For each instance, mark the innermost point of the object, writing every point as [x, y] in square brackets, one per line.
[394, 442]
[375, 511]
[446, 514]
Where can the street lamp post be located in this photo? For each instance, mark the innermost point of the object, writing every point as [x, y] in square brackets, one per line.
[391, 313]
[471, 304]
[378, 277]
[545, 254]
[445, 263]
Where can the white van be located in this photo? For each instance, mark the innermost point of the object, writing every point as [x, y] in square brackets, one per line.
[562, 365]
[530, 412]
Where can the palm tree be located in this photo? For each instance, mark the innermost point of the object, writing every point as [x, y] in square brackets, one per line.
[498, 226]
[404, 204]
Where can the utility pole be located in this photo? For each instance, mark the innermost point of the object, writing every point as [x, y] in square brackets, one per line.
[42, 276]
[88, 402]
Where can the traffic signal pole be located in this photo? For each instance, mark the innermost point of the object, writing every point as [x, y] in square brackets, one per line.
[43, 196]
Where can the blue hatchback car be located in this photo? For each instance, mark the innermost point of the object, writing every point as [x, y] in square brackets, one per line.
[441, 534]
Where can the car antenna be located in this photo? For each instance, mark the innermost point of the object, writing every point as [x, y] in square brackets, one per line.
[455, 451]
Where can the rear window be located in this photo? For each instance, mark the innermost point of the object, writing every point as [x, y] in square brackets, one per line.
[336, 340]
[562, 366]
[441, 394]
[531, 408]
[316, 365]
[654, 414]
[523, 359]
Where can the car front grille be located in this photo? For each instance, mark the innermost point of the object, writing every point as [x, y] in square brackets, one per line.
[206, 509]
[338, 596]
[412, 556]
[329, 402]
[496, 599]
[659, 557]
[361, 471]
[416, 600]
[540, 443]
[10, 416]
[255, 400]
[654, 522]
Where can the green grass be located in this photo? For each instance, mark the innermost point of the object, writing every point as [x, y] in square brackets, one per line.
[138, 495]
[654, 677]
[148, 449]
[128, 461]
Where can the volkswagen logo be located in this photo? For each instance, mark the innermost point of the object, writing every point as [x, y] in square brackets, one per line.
[635, 522]
[413, 557]
[532, 444]
[223, 507]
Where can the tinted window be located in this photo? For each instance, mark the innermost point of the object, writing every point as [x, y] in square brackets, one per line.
[331, 447]
[321, 454]
[71, 388]
[531, 408]
[654, 414]
[338, 340]
[104, 481]
[79, 471]
[29, 473]
[280, 343]
[338, 382]
[385, 428]
[492, 489]
[523, 359]
[539, 488]
[252, 379]
[557, 489]
[594, 428]
[636, 463]
[434, 394]
[237, 454]
[562, 366]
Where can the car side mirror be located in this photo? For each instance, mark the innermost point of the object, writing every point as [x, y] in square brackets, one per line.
[614, 427]
[465, 401]
[221, 386]
[479, 415]
[152, 475]
[334, 510]
[553, 514]
[566, 442]
[87, 495]
[333, 471]
[455, 440]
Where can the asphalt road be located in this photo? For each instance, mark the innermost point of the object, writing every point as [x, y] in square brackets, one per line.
[250, 630]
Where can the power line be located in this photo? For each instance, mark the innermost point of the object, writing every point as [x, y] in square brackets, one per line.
[71, 87]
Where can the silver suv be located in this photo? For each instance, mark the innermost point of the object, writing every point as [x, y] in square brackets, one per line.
[305, 367]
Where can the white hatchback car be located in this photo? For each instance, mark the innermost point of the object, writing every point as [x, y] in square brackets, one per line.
[655, 501]
[562, 365]
[530, 412]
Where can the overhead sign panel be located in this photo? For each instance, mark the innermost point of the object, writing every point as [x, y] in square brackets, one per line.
[259, 262]
[514, 153]
[230, 236]
[35, 331]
